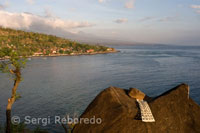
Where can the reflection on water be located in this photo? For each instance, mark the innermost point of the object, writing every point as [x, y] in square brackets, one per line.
[60, 85]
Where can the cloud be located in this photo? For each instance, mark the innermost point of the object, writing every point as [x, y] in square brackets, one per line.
[195, 6]
[169, 18]
[4, 6]
[121, 20]
[31, 2]
[180, 5]
[146, 19]
[163, 19]
[28, 21]
[101, 1]
[114, 32]
[130, 4]
[198, 11]
[72, 10]
[48, 12]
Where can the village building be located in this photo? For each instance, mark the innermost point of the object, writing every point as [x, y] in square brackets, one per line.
[90, 51]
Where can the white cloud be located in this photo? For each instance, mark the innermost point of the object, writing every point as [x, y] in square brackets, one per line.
[195, 6]
[101, 1]
[121, 20]
[130, 4]
[28, 21]
[31, 2]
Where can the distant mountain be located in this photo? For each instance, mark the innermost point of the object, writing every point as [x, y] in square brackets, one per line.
[83, 37]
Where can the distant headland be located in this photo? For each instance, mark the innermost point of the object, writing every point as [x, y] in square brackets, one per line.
[32, 44]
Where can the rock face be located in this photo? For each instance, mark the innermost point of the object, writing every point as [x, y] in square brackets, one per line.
[135, 93]
[174, 112]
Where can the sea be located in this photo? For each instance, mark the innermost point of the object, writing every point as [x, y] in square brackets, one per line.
[65, 86]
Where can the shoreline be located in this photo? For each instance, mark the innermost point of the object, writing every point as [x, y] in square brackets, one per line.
[72, 54]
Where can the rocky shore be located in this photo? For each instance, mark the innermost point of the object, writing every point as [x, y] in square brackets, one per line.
[174, 111]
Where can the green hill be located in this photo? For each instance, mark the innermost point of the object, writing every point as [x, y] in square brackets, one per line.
[36, 44]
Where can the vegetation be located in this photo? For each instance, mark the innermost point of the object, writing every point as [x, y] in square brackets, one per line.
[13, 67]
[30, 43]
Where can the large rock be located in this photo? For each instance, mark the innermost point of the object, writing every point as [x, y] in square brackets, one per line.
[174, 112]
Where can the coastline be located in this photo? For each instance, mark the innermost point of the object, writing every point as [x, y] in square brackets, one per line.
[72, 54]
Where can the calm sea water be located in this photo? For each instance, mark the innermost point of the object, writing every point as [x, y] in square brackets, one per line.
[66, 85]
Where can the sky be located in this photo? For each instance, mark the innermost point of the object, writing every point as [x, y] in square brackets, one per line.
[147, 21]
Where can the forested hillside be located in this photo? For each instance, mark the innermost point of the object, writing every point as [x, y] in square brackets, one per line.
[36, 44]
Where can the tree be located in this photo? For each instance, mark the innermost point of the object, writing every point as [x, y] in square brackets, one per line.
[13, 67]
[61, 51]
